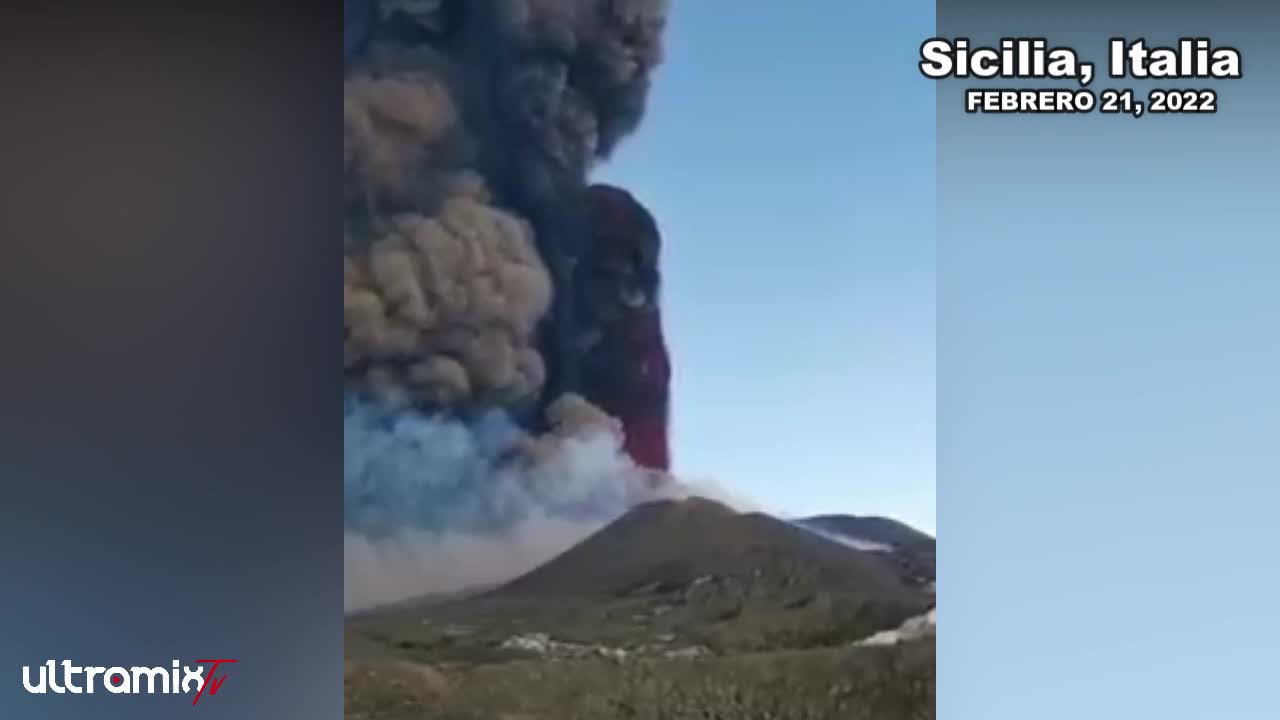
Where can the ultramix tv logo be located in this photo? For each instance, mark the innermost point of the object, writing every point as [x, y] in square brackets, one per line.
[63, 677]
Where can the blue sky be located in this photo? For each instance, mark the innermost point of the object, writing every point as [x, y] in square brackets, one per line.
[789, 158]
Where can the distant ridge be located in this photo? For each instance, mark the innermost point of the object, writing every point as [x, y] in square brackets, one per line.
[869, 527]
[913, 553]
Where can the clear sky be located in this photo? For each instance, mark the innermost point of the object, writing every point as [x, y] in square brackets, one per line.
[788, 155]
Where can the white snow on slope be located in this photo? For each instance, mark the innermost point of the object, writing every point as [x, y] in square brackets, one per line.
[920, 626]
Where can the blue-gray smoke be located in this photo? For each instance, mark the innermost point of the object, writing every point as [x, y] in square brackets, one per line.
[408, 471]
[435, 505]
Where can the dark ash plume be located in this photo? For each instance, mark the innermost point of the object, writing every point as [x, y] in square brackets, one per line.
[523, 96]
[470, 129]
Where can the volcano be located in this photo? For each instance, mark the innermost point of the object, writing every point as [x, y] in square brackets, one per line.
[677, 543]
[672, 598]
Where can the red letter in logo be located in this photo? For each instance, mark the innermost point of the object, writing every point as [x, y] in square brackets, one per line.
[212, 683]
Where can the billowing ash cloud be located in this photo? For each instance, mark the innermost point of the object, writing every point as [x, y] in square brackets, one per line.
[470, 128]
[445, 308]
